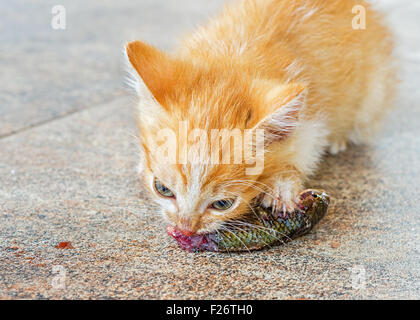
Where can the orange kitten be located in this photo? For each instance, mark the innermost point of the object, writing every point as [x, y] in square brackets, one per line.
[296, 69]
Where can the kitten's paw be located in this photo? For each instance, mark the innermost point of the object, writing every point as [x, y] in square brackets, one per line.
[284, 198]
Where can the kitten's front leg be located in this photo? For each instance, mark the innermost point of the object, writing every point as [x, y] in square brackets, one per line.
[283, 194]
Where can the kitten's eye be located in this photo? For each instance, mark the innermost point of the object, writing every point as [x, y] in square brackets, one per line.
[222, 204]
[164, 191]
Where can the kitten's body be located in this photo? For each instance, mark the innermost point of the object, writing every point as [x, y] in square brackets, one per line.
[297, 68]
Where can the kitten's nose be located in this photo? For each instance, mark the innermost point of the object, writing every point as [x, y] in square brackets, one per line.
[187, 226]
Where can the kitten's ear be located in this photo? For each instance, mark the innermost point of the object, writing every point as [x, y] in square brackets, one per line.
[278, 110]
[153, 69]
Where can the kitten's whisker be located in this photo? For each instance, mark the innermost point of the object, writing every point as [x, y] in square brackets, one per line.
[263, 229]
[257, 226]
[243, 230]
[250, 185]
[252, 209]
[254, 187]
[226, 229]
[220, 237]
[252, 182]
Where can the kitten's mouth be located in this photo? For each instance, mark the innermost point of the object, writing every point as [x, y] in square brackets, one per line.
[197, 242]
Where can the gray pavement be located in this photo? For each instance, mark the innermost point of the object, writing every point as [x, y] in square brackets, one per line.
[67, 173]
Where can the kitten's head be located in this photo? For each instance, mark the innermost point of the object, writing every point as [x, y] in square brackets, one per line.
[183, 103]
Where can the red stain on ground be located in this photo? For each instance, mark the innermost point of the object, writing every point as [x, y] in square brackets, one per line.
[19, 253]
[12, 248]
[64, 245]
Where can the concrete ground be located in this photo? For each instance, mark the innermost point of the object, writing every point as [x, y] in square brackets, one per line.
[67, 173]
